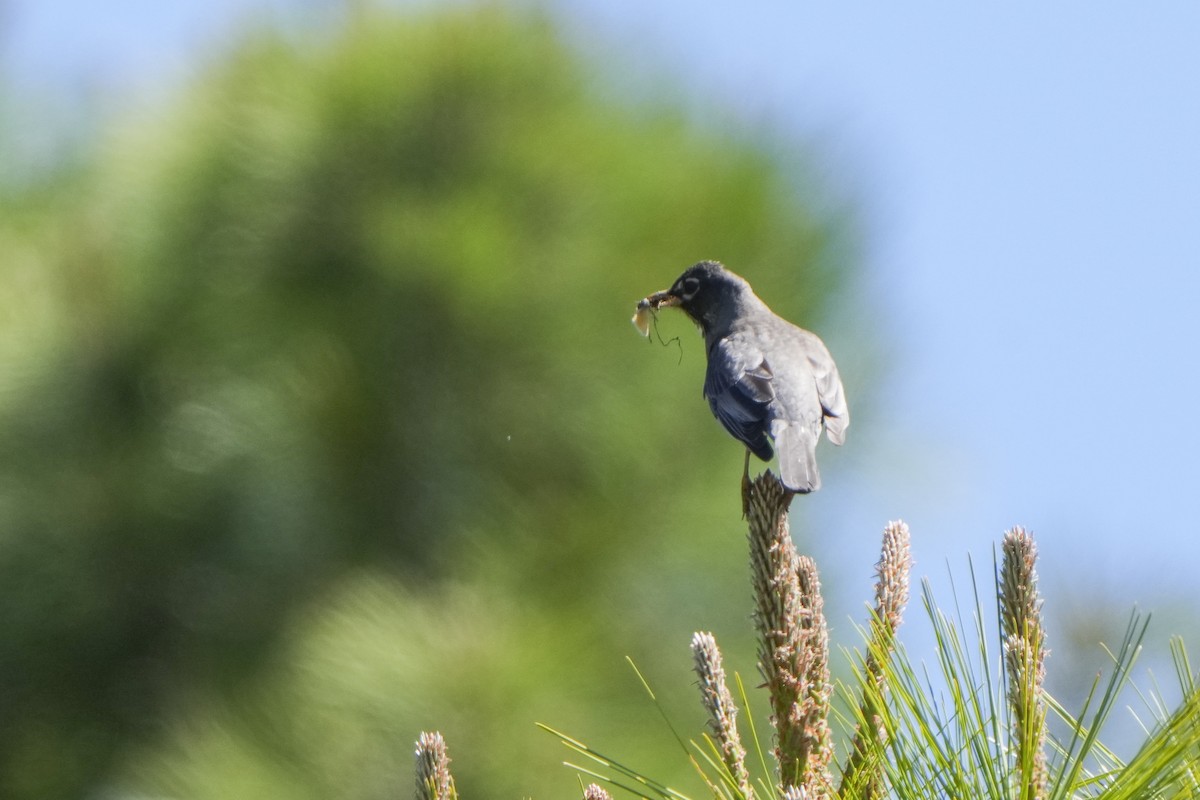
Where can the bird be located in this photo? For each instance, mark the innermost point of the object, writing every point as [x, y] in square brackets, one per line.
[772, 384]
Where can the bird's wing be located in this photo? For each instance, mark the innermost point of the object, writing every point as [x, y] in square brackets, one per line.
[829, 389]
[738, 389]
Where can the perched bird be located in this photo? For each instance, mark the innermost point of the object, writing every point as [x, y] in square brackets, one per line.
[767, 380]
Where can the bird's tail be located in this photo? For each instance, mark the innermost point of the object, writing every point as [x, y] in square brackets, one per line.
[797, 446]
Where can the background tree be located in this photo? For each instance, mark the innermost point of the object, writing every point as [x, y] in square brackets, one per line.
[325, 424]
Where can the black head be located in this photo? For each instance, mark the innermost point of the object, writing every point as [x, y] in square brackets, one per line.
[706, 292]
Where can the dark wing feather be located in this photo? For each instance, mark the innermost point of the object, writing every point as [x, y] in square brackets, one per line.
[738, 389]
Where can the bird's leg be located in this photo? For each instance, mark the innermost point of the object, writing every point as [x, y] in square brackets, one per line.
[746, 486]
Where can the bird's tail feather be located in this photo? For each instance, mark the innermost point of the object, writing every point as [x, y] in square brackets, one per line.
[797, 446]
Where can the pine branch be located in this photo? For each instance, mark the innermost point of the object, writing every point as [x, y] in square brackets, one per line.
[594, 792]
[433, 769]
[793, 641]
[721, 710]
[862, 777]
[1024, 659]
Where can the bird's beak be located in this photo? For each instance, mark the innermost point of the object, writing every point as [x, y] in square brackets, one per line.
[648, 305]
[659, 300]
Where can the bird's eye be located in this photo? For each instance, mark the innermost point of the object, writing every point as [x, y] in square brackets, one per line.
[690, 287]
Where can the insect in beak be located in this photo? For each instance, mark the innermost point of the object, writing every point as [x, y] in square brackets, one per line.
[646, 308]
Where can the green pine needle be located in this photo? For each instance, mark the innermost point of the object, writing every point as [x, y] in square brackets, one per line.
[946, 724]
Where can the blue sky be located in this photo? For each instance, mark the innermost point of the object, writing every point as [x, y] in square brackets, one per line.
[1031, 183]
[1029, 178]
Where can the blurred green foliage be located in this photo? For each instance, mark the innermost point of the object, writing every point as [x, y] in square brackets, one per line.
[322, 421]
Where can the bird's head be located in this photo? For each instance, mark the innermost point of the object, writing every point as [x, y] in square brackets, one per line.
[707, 292]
